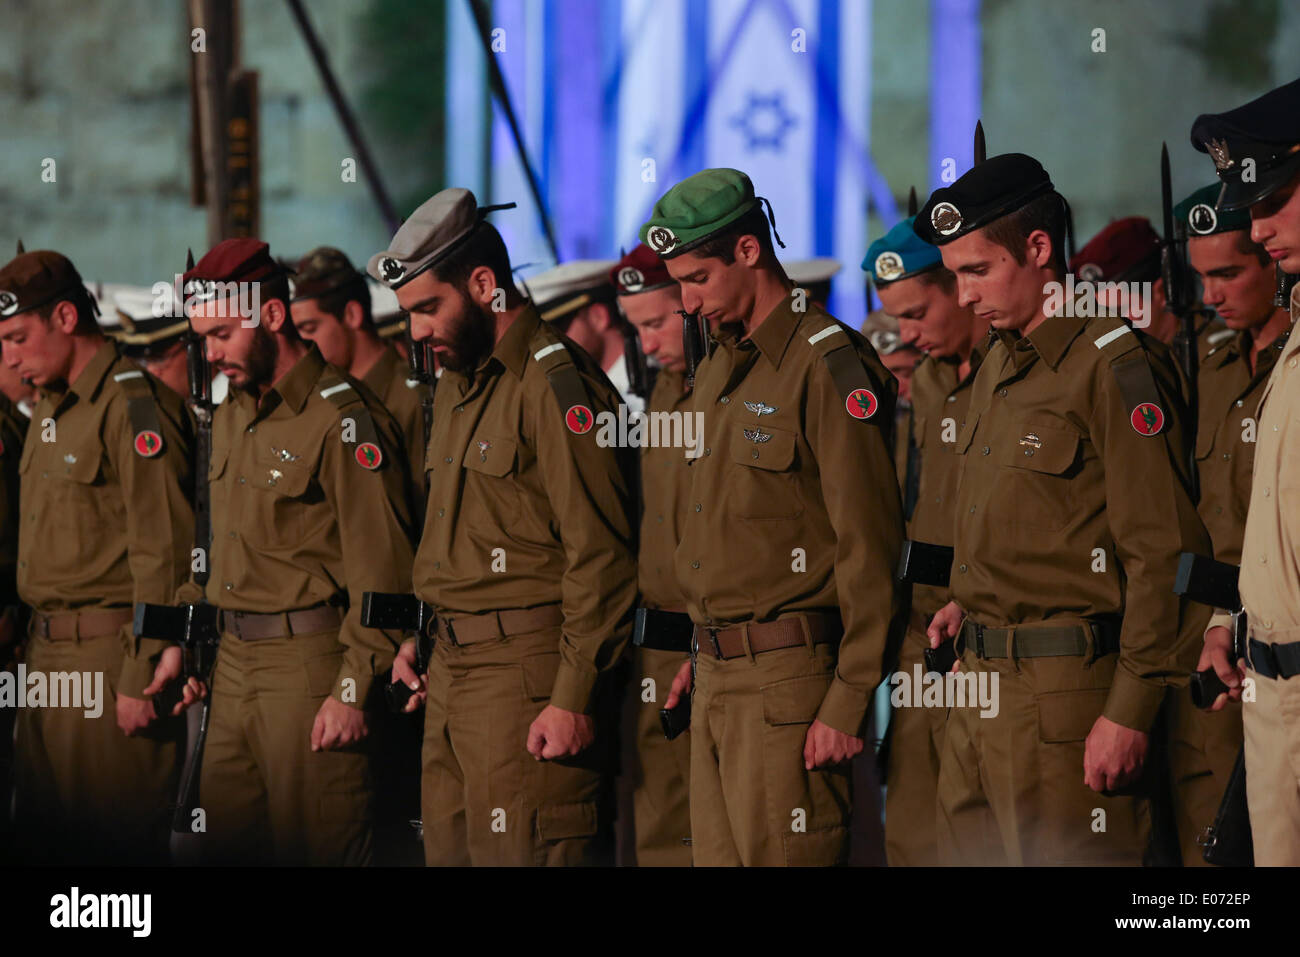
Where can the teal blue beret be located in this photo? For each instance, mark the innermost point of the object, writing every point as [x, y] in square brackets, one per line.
[900, 253]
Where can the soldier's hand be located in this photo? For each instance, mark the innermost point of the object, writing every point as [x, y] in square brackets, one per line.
[1113, 755]
[556, 733]
[1217, 653]
[824, 746]
[404, 671]
[168, 670]
[681, 686]
[945, 624]
[337, 725]
[134, 714]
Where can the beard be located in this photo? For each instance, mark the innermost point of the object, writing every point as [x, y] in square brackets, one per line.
[469, 337]
[258, 368]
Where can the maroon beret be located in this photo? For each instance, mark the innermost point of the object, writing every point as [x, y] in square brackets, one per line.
[640, 271]
[36, 279]
[1124, 249]
[236, 260]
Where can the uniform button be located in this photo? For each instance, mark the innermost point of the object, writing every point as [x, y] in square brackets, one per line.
[754, 453]
[1029, 451]
[708, 451]
[241, 480]
[442, 512]
[447, 460]
[699, 507]
[695, 564]
[252, 429]
[1266, 491]
[660, 519]
[1263, 559]
[952, 398]
[961, 568]
[437, 565]
[987, 450]
[45, 475]
[972, 509]
[22, 564]
[229, 587]
[1002, 392]
[1218, 510]
[1227, 455]
[460, 408]
[1239, 403]
[726, 398]
[1268, 624]
[1291, 364]
[231, 534]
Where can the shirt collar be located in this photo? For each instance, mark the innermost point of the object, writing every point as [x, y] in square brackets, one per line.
[1051, 339]
[512, 350]
[296, 385]
[773, 334]
[382, 372]
[91, 379]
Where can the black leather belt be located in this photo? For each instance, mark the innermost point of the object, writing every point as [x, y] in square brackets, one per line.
[1041, 641]
[1275, 661]
[661, 630]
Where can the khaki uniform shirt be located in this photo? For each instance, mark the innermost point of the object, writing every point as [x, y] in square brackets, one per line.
[13, 425]
[401, 396]
[524, 512]
[1270, 551]
[1057, 480]
[1228, 394]
[809, 518]
[298, 520]
[940, 401]
[103, 525]
[665, 486]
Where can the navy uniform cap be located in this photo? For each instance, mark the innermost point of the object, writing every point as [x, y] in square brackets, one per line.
[1263, 136]
[988, 191]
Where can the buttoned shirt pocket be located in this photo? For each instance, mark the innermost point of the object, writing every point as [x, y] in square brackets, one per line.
[1037, 467]
[280, 507]
[71, 496]
[490, 490]
[763, 483]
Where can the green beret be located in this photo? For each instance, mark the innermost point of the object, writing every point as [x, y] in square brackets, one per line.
[1198, 215]
[696, 209]
[899, 254]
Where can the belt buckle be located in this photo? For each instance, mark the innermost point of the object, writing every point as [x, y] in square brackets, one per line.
[713, 637]
[979, 640]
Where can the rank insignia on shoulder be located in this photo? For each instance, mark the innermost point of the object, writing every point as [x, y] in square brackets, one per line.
[1147, 419]
[483, 447]
[579, 419]
[148, 443]
[369, 456]
[760, 409]
[861, 403]
[757, 435]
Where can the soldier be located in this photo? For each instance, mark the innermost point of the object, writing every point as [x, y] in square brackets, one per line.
[108, 522]
[659, 768]
[309, 492]
[1127, 251]
[793, 528]
[1237, 277]
[331, 308]
[913, 285]
[527, 557]
[156, 344]
[1064, 563]
[1256, 151]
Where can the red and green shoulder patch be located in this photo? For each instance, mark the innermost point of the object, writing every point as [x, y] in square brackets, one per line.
[369, 456]
[579, 419]
[1147, 419]
[148, 443]
[861, 403]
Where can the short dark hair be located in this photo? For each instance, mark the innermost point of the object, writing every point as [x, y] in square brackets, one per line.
[723, 246]
[1247, 246]
[940, 276]
[335, 301]
[86, 321]
[484, 247]
[1046, 212]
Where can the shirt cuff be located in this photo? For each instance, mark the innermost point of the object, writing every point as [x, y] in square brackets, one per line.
[139, 661]
[844, 708]
[1220, 619]
[1133, 702]
[573, 688]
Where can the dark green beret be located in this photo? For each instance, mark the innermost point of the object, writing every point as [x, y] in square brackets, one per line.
[1198, 215]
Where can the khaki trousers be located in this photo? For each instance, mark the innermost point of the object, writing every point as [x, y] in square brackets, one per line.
[912, 777]
[752, 802]
[268, 797]
[485, 799]
[660, 770]
[1011, 788]
[1272, 728]
[84, 791]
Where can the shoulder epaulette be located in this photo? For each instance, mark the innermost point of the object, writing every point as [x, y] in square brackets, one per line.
[853, 382]
[549, 352]
[367, 450]
[1132, 371]
[142, 410]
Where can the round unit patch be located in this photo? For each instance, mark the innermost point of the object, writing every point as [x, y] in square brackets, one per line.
[861, 403]
[8, 303]
[946, 219]
[391, 269]
[369, 456]
[579, 419]
[1202, 219]
[661, 239]
[889, 266]
[1147, 419]
[148, 443]
[631, 279]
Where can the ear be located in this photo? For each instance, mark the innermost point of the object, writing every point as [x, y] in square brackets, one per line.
[598, 317]
[1039, 248]
[482, 285]
[353, 315]
[274, 315]
[748, 250]
[64, 317]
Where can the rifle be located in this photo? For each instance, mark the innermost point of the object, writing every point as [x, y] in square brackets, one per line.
[639, 376]
[194, 627]
[419, 363]
[1178, 300]
[693, 344]
[400, 612]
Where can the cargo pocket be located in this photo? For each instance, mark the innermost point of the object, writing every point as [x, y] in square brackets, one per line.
[322, 671]
[807, 810]
[563, 822]
[1069, 715]
[539, 673]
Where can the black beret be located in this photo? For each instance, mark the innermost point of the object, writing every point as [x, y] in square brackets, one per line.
[1265, 130]
[987, 191]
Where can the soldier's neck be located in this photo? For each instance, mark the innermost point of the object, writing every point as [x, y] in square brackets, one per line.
[506, 319]
[771, 290]
[367, 350]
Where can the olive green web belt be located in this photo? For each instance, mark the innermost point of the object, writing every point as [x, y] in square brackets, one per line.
[1041, 641]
